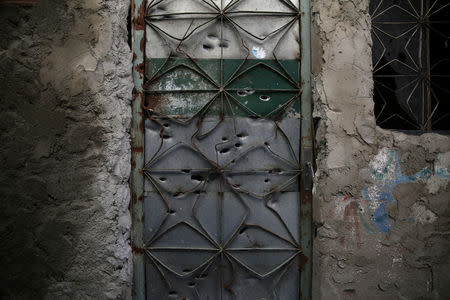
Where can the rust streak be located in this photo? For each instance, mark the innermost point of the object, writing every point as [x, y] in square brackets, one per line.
[303, 261]
[140, 68]
[139, 21]
[155, 101]
[142, 45]
[307, 197]
[138, 250]
[137, 149]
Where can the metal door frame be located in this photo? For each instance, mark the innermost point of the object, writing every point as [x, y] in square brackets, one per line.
[137, 150]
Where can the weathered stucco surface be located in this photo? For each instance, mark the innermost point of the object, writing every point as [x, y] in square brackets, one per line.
[381, 201]
[65, 89]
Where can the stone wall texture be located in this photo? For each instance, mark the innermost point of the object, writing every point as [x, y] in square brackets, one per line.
[381, 198]
[65, 90]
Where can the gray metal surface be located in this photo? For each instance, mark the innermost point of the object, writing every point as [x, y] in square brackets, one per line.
[223, 151]
[224, 199]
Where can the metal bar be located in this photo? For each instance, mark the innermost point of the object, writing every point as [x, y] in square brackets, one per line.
[428, 86]
[137, 148]
[306, 153]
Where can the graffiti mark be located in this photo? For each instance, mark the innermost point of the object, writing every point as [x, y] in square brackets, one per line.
[351, 218]
[401, 248]
[371, 208]
[386, 175]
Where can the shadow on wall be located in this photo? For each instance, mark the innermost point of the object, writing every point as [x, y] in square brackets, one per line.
[50, 151]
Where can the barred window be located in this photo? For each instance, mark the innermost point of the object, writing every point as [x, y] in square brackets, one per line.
[411, 63]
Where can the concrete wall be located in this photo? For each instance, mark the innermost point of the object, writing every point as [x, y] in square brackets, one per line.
[381, 197]
[65, 90]
[381, 201]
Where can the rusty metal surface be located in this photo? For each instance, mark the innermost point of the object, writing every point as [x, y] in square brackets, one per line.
[137, 149]
[224, 130]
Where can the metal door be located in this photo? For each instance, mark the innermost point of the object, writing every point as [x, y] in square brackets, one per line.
[221, 146]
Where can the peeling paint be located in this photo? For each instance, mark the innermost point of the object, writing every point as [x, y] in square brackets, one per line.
[259, 52]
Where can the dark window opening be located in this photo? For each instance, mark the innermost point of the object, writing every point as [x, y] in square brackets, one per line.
[411, 64]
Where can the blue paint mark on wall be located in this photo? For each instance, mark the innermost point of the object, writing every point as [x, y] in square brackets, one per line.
[386, 175]
[441, 169]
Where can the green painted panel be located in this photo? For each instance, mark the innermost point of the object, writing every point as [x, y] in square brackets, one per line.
[183, 87]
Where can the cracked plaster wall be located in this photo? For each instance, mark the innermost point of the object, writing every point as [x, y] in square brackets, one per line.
[65, 91]
[381, 199]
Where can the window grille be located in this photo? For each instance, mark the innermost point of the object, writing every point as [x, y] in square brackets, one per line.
[411, 63]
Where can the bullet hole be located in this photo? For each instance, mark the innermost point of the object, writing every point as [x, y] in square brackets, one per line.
[166, 136]
[186, 171]
[187, 270]
[173, 294]
[264, 98]
[241, 93]
[166, 125]
[241, 135]
[224, 138]
[237, 145]
[253, 117]
[171, 211]
[162, 178]
[197, 177]
[245, 92]
[224, 150]
[223, 44]
[191, 284]
[266, 144]
[249, 91]
[208, 46]
[266, 180]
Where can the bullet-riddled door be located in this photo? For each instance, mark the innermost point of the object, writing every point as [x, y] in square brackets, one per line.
[222, 148]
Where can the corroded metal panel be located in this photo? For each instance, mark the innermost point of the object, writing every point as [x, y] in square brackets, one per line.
[223, 155]
[137, 149]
